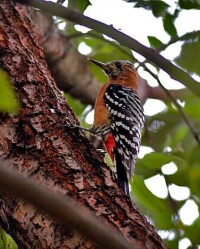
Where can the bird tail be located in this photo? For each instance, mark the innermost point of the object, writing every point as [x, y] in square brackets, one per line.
[121, 173]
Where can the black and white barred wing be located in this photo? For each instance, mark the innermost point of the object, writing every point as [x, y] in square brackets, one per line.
[127, 117]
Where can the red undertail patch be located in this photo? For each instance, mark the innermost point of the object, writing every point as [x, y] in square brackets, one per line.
[110, 145]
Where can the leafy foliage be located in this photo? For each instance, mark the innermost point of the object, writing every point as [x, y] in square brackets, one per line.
[168, 24]
[189, 56]
[6, 242]
[154, 42]
[157, 7]
[185, 4]
[81, 5]
[156, 206]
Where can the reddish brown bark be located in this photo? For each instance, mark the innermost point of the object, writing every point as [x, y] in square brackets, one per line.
[38, 146]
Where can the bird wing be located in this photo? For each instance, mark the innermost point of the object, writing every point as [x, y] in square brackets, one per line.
[127, 119]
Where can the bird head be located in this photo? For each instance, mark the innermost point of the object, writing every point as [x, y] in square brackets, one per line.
[119, 72]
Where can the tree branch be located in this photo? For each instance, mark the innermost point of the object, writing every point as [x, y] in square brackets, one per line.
[187, 36]
[184, 37]
[75, 16]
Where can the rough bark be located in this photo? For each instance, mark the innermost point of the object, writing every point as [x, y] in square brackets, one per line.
[39, 147]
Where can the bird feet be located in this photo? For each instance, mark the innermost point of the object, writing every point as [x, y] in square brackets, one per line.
[102, 152]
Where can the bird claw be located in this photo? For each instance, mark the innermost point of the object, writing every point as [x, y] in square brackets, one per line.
[102, 152]
[74, 126]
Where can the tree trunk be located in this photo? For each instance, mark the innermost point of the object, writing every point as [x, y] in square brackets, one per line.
[40, 147]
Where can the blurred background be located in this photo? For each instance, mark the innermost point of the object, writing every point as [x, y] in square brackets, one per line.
[166, 185]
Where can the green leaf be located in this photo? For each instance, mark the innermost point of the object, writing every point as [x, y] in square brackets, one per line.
[192, 107]
[159, 208]
[157, 7]
[8, 99]
[168, 24]
[2, 238]
[6, 241]
[194, 174]
[172, 244]
[83, 4]
[189, 56]
[154, 42]
[189, 231]
[155, 160]
[10, 242]
[186, 4]
[180, 178]
[143, 171]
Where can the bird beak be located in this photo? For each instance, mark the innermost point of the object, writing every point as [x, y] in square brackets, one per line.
[99, 64]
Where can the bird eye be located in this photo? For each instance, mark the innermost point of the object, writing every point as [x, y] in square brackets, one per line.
[118, 65]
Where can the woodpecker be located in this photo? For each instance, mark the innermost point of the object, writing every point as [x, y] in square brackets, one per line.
[119, 118]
